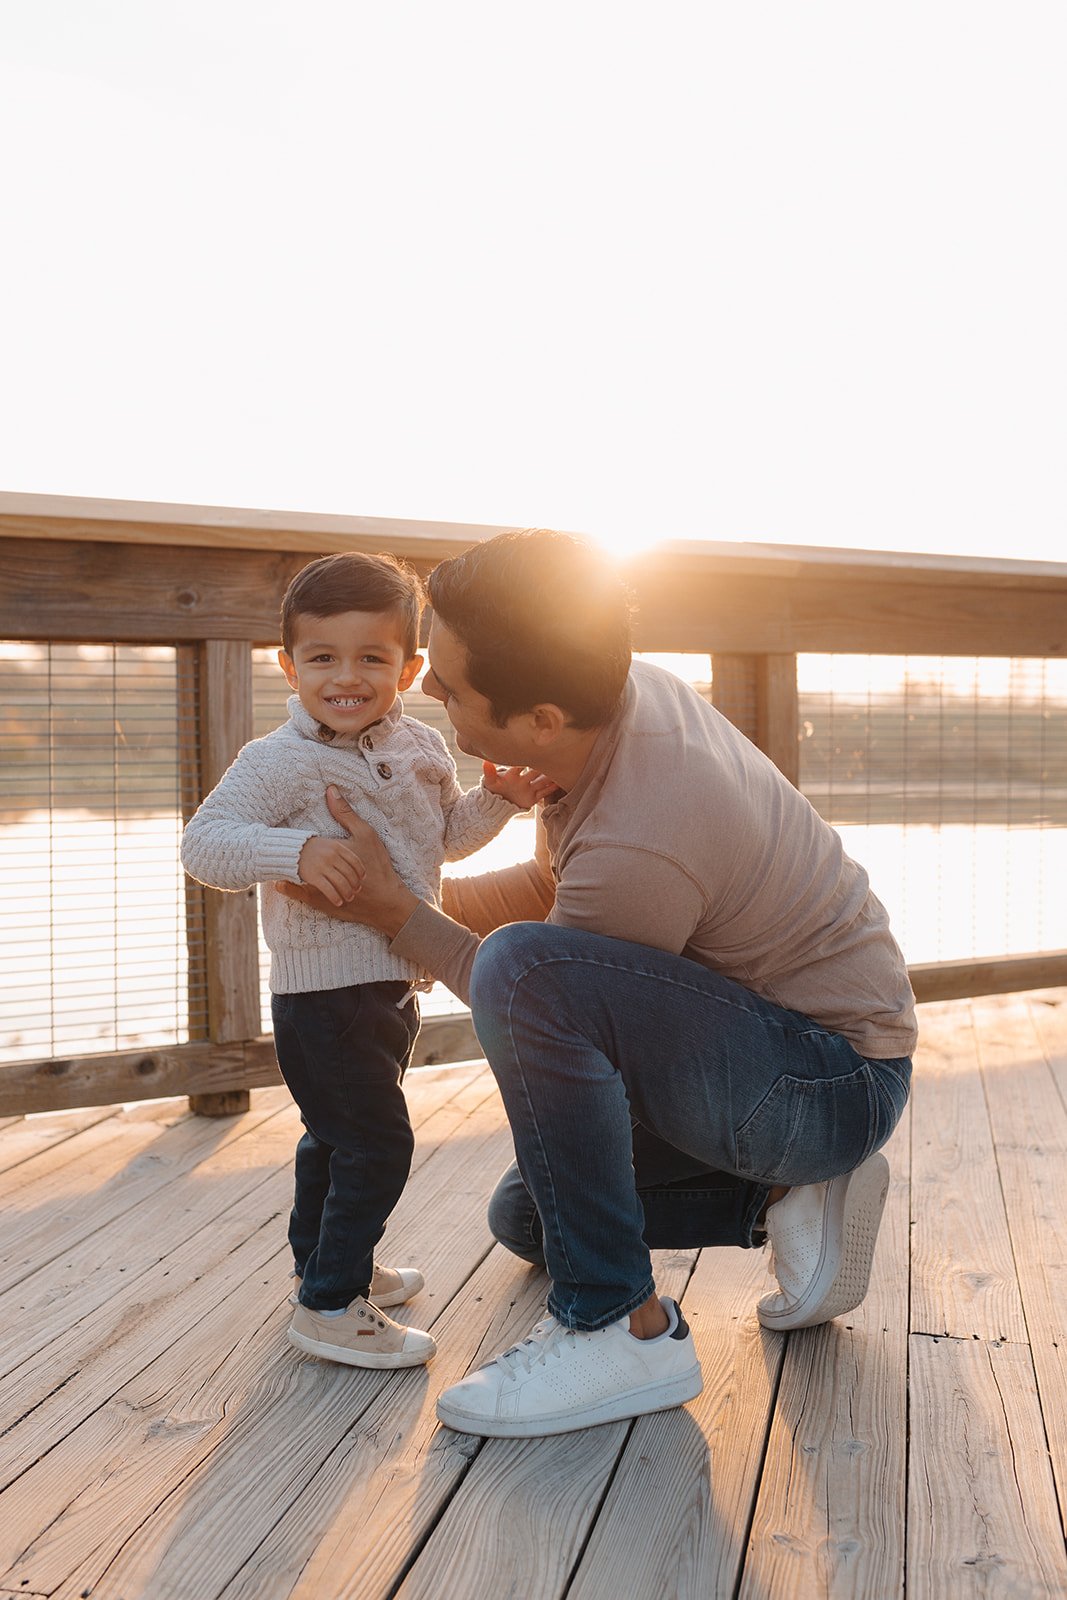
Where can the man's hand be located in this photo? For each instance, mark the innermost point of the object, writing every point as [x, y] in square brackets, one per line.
[523, 786]
[380, 901]
[332, 867]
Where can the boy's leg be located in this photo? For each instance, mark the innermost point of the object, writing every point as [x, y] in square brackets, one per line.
[343, 1053]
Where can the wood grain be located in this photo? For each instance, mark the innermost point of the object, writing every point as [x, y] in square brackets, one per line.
[829, 1519]
[1029, 1122]
[982, 1516]
[963, 1271]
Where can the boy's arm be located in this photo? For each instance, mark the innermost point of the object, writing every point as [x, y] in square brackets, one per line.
[234, 840]
[471, 818]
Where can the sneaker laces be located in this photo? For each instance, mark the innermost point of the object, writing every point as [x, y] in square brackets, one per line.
[547, 1339]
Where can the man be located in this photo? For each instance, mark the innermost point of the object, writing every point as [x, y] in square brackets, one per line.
[699, 1021]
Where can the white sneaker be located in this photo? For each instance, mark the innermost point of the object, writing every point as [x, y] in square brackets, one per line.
[390, 1286]
[822, 1241]
[560, 1379]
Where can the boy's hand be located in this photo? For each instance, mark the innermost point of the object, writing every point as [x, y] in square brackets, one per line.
[523, 786]
[332, 867]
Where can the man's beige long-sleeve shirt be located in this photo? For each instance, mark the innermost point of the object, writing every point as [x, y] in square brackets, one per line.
[681, 835]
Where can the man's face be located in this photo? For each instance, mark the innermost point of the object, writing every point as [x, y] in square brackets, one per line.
[468, 711]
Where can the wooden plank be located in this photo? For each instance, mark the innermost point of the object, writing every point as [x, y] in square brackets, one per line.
[381, 1488]
[67, 1378]
[100, 591]
[49, 1308]
[1029, 1122]
[159, 524]
[1048, 1014]
[675, 1518]
[91, 588]
[897, 613]
[519, 1520]
[963, 1271]
[982, 1514]
[189, 1443]
[830, 1514]
[23, 1137]
[35, 516]
[111, 1077]
[959, 980]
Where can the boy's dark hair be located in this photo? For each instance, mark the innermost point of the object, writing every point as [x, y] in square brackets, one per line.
[544, 619]
[355, 582]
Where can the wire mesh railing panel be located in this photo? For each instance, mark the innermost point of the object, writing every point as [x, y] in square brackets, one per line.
[947, 778]
[93, 927]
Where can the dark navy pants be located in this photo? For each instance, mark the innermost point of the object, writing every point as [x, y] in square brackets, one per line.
[343, 1054]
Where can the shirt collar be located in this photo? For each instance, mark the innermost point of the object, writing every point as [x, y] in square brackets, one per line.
[311, 728]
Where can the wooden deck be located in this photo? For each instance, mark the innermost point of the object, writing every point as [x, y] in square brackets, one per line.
[161, 1438]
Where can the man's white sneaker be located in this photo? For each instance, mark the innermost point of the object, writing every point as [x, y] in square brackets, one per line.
[822, 1238]
[560, 1379]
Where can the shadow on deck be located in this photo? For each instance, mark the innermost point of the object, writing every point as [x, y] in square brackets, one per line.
[161, 1438]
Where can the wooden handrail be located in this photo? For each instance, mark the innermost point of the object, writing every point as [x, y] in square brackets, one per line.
[209, 580]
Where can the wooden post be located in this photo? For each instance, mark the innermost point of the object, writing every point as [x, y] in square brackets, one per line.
[759, 695]
[231, 952]
[778, 713]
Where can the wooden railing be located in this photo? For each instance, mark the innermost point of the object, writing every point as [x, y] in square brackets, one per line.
[209, 581]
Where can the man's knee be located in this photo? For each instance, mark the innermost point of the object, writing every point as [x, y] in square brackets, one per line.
[503, 958]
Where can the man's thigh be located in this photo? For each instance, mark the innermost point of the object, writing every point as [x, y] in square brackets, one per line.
[712, 1070]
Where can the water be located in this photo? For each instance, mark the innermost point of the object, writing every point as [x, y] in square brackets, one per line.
[98, 963]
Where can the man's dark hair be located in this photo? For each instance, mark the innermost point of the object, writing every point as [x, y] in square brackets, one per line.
[544, 619]
[354, 582]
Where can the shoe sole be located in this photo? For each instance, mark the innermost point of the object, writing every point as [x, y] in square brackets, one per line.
[853, 1212]
[661, 1396]
[358, 1358]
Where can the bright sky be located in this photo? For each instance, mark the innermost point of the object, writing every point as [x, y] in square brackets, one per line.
[777, 271]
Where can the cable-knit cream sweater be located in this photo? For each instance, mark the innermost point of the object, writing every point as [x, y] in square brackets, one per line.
[398, 775]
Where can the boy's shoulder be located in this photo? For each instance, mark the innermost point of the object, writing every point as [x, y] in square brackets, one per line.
[428, 739]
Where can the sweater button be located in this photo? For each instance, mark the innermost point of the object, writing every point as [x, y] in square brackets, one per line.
[366, 742]
[384, 770]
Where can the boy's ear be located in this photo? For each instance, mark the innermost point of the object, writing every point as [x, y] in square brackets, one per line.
[285, 661]
[412, 668]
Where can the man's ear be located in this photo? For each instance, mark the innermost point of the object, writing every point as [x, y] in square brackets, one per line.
[547, 722]
[285, 661]
[412, 668]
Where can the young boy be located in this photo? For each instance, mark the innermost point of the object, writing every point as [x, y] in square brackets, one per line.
[345, 1014]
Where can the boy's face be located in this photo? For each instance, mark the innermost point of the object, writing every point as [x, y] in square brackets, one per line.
[348, 669]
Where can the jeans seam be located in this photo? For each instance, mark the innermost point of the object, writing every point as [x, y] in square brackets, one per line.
[811, 1030]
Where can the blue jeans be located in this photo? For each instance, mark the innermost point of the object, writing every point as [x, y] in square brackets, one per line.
[343, 1054]
[655, 1103]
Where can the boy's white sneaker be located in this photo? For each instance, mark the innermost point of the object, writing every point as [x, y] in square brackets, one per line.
[822, 1242]
[560, 1379]
[362, 1336]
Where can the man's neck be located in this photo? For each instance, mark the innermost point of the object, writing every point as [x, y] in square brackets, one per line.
[567, 762]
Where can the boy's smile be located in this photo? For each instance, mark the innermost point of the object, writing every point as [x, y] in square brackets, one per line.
[348, 669]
